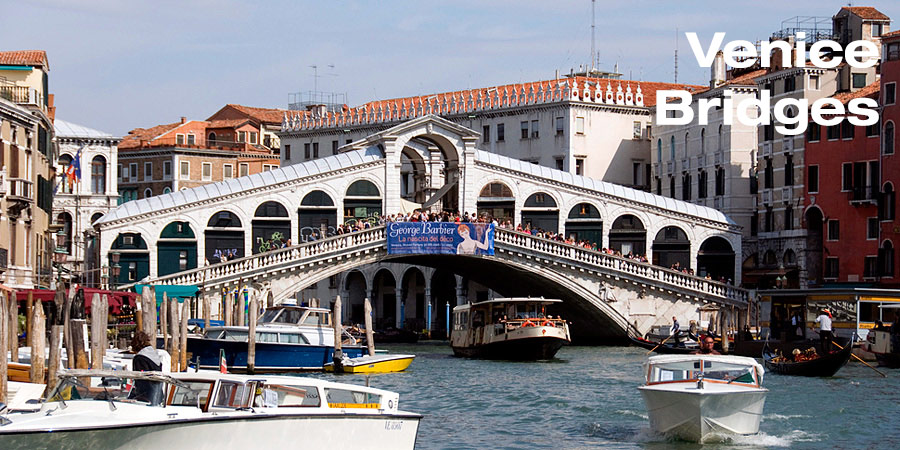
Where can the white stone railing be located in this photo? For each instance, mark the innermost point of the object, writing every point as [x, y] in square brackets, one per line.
[285, 257]
[657, 275]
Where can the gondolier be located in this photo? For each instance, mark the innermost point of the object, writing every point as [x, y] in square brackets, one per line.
[676, 329]
[825, 333]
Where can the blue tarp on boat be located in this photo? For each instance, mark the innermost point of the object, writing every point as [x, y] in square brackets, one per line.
[179, 292]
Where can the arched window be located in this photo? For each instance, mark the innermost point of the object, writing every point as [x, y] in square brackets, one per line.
[886, 259]
[672, 149]
[212, 137]
[702, 140]
[721, 135]
[363, 188]
[64, 239]
[887, 138]
[98, 175]
[167, 190]
[64, 161]
[686, 139]
[148, 193]
[659, 150]
[887, 202]
[496, 190]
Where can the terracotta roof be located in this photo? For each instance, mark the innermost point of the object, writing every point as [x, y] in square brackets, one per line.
[745, 79]
[866, 12]
[24, 58]
[227, 123]
[871, 90]
[134, 137]
[892, 34]
[262, 115]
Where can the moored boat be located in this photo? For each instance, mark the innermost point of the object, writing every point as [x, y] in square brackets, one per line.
[881, 344]
[821, 365]
[98, 409]
[508, 328]
[691, 397]
[378, 363]
[288, 338]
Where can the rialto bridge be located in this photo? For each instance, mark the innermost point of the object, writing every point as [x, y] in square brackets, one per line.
[274, 233]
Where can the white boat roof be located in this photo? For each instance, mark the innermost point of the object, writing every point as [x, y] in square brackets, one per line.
[727, 359]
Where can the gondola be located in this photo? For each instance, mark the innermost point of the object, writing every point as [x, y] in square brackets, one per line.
[823, 366]
[665, 348]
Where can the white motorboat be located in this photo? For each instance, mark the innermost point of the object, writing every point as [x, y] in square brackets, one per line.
[693, 396]
[209, 410]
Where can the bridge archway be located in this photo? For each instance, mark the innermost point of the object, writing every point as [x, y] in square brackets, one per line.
[412, 175]
[540, 211]
[670, 247]
[585, 223]
[134, 257]
[176, 249]
[497, 200]
[444, 294]
[628, 235]
[384, 291]
[224, 237]
[317, 209]
[412, 289]
[271, 227]
[356, 290]
[362, 201]
[716, 259]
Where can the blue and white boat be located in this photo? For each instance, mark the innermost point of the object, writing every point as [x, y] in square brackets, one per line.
[289, 338]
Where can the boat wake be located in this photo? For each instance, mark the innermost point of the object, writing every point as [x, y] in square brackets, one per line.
[629, 412]
[784, 416]
[767, 440]
[644, 435]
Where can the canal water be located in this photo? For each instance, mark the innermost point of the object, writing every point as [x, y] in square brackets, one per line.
[588, 398]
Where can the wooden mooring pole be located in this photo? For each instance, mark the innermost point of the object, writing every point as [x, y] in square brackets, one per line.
[12, 328]
[173, 327]
[4, 343]
[182, 334]
[337, 359]
[96, 325]
[251, 342]
[38, 340]
[163, 321]
[370, 334]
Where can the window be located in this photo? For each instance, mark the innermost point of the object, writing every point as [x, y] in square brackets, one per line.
[754, 224]
[500, 132]
[191, 139]
[185, 170]
[524, 125]
[702, 141]
[847, 130]
[148, 171]
[211, 138]
[672, 148]
[206, 173]
[846, 177]
[768, 132]
[833, 132]
[315, 150]
[658, 186]
[486, 134]
[179, 139]
[306, 152]
[813, 132]
[227, 171]
[873, 130]
[287, 152]
[788, 170]
[887, 140]
[535, 129]
[790, 84]
[834, 230]
[133, 170]
[870, 266]
[686, 187]
[243, 169]
[148, 193]
[886, 202]
[579, 125]
[579, 166]
[813, 179]
[242, 136]
[754, 183]
[886, 259]
[832, 267]
[120, 171]
[770, 219]
[890, 93]
[636, 131]
[788, 217]
[559, 164]
[769, 175]
[182, 260]
[132, 271]
[334, 147]
[702, 184]
[871, 228]
[859, 80]
[98, 175]
[253, 137]
[559, 126]
[167, 170]
[877, 29]
[659, 151]
[720, 181]
[636, 173]
[814, 82]
[671, 186]
[166, 190]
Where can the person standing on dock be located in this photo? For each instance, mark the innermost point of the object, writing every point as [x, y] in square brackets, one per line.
[675, 331]
[825, 333]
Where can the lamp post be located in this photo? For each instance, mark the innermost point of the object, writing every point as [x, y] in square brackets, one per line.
[116, 268]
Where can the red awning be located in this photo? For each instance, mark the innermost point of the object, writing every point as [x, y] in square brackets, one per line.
[116, 298]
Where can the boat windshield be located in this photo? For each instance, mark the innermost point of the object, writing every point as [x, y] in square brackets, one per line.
[99, 388]
[281, 315]
[708, 370]
[191, 393]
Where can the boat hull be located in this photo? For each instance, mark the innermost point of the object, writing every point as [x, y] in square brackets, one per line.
[824, 366]
[522, 349]
[889, 360]
[375, 364]
[694, 416]
[270, 357]
[349, 432]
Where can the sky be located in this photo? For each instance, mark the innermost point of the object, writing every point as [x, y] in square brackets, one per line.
[116, 65]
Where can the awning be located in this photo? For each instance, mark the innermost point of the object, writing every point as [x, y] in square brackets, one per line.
[116, 298]
[171, 291]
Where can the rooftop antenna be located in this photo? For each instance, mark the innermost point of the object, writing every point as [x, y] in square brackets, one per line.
[593, 24]
[315, 69]
[676, 55]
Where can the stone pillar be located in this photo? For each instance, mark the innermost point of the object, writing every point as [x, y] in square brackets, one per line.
[468, 191]
[398, 319]
[391, 194]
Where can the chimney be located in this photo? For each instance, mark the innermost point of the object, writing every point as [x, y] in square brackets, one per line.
[317, 110]
[183, 119]
[717, 71]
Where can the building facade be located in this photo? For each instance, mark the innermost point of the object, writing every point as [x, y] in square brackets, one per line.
[81, 200]
[27, 153]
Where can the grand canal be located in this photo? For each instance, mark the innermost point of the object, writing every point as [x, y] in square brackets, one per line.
[587, 398]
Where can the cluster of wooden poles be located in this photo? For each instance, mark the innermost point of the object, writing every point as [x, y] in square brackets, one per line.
[67, 327]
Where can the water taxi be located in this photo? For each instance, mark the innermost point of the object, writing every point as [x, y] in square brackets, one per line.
[99, 409]
[693, 396]
[508, 328]
[377, 363]
[288, 338]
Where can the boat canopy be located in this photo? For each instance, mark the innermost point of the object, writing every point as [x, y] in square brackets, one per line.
[726, 359]
[171, 291]
[540, 300]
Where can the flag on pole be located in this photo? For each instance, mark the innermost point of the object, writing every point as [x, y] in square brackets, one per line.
[73, 171]
[223, 365]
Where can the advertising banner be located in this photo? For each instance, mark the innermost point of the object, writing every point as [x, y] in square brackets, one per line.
[440, 238]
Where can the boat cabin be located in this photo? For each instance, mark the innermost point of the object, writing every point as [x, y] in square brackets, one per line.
[283, 324]
[506, 314]
[291, 314]
[707, 368]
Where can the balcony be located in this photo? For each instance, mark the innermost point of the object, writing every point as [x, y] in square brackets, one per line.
[20, 190]
[787, 145]
[670, 166]
[767, 149]
[22, 95]
[685, 164]
[863, 194]
[766, 196]
[787, 193]
[656, 169]
[719, 158]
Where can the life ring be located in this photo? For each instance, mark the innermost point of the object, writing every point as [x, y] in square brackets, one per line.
[546, 323]
[528, 323]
